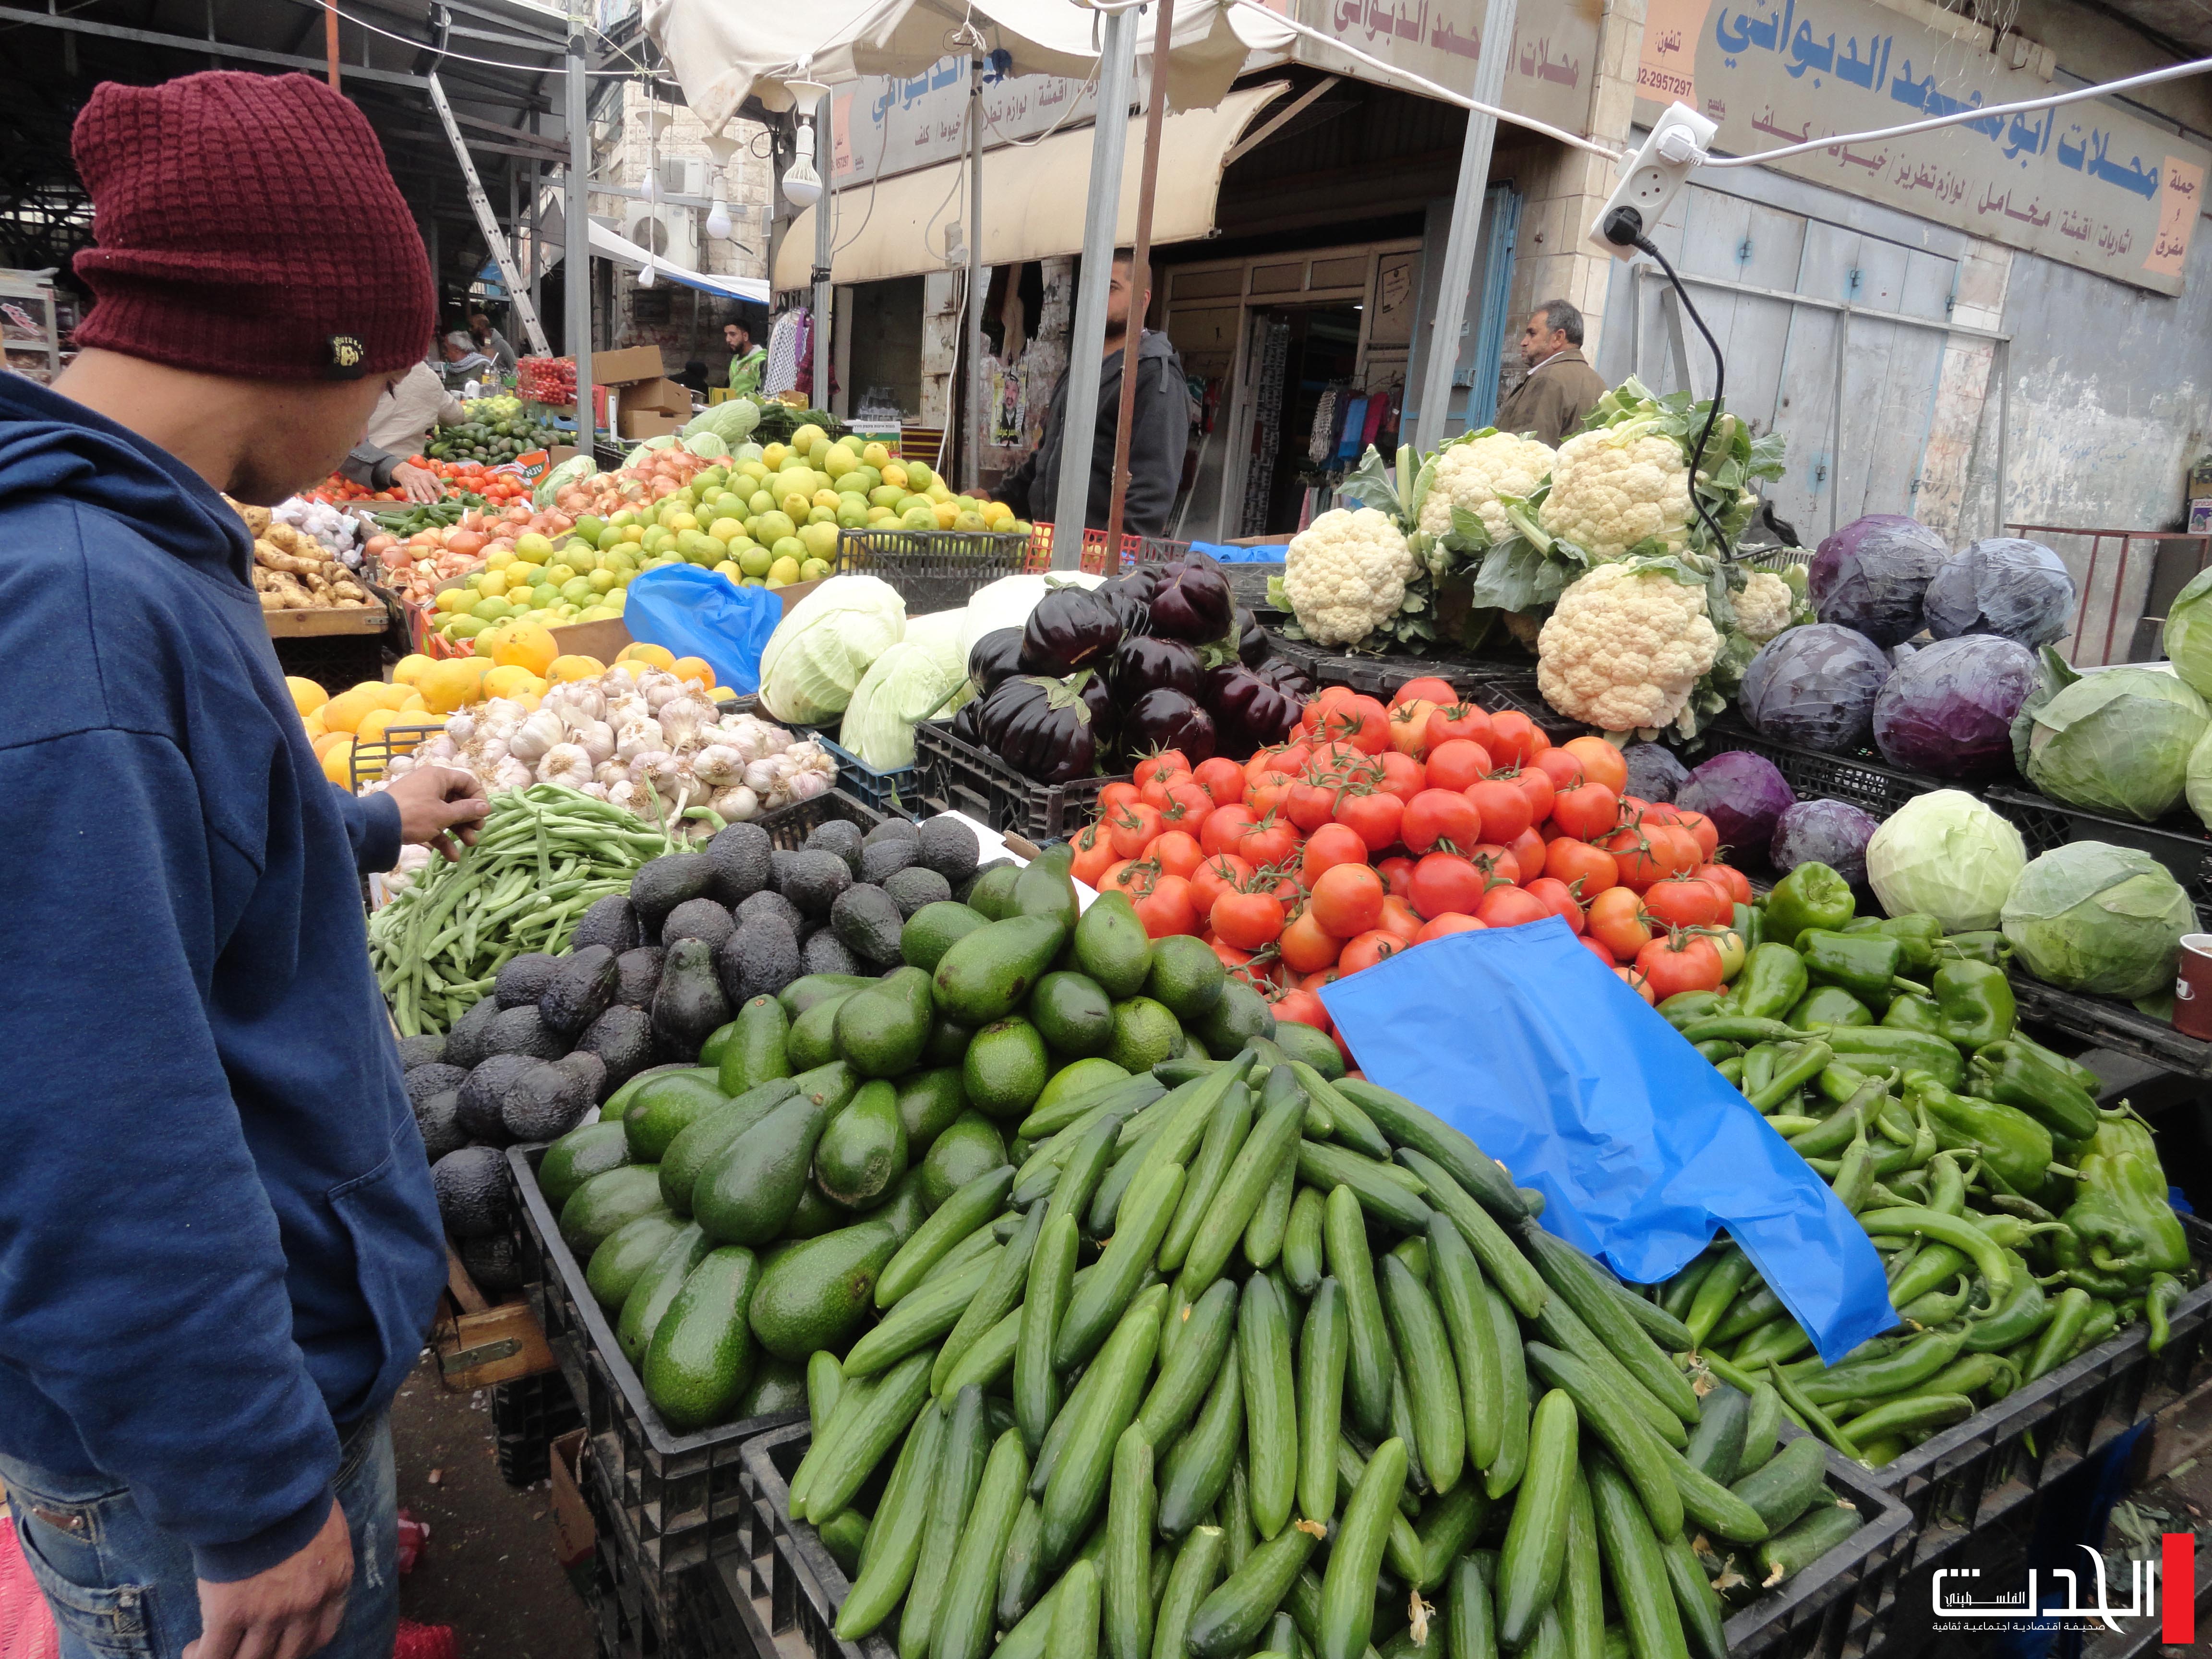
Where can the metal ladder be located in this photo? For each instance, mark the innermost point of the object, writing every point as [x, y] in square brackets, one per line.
[495, 238]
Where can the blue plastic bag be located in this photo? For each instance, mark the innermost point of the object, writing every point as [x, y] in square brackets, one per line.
[1222, 553]
[1521, 1038]
[696, 613]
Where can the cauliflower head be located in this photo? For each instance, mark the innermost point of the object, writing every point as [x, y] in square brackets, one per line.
[1762, 610]
[1474, 474]
[1625, 648]
[1609, 492]
[1345, 574]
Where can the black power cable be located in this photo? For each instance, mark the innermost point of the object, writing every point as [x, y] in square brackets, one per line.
[1624, 227]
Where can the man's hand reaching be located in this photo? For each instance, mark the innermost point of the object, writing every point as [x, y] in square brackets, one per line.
[289, 1612]
[439, 806]
[416, 483]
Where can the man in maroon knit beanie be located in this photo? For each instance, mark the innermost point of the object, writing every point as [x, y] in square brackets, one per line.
[219, 1245]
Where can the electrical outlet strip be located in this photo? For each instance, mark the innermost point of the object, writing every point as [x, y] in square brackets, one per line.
[1655, 175]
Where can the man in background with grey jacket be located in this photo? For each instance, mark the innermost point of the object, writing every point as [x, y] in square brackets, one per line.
[1159, 432]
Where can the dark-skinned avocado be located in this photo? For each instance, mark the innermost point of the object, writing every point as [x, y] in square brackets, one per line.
[886, 859]
[757, 959]
[916, 887]
[523, 1030]
[465, 1043]
[438, 1118]
[824, 952]
[866, 920]
[948, 846]
[698, 918]
[436, 1078]
[494, 1264]
[622, 1039]
[637, 974]
[544, 1101]
[813, 879]
[524, 979]
[662, 884]
[611, 922]
[482, 1097]
[739, 856]
[473, 1195]
[773, 904]
[421, 1051]
[839, 836]
[581, 989]
[689, 1002]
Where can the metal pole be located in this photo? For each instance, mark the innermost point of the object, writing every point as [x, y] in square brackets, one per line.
[1836, 418]
[1086, 346]
[971, 471]
[2004, 418]
[575, 219]
[330, 41]
[825, 164]
[1452, 296]
[1140, 255]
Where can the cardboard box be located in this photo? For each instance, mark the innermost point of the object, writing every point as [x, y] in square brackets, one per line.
[573, 1534]
[663, 396]
[630, 364]
[638, 424]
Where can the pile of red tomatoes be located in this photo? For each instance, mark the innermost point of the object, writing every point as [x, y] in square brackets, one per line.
[1377, 828]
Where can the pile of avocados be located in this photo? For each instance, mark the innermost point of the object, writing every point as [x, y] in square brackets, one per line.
[733, 1214]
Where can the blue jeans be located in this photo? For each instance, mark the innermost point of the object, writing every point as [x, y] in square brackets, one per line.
[120, 1589]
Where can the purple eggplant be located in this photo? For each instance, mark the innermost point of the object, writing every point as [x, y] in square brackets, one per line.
[1071, 628]
[1170, 719]
[995, 657]
[1045, 728]
[1251, 639]
[1144, 662]
[1287, 677]
[1247, 705]
[967, 723]
[1192, 602]
[1130, 596]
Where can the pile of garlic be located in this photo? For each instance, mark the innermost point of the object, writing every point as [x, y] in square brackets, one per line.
[641, 738]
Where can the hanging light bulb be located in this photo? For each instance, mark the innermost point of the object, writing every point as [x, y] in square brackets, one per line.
[718, 218]
[645, 278]
[802, 182]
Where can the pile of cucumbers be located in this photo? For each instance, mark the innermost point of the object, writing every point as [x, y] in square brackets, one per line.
[1278, 1362]
[734, 1214]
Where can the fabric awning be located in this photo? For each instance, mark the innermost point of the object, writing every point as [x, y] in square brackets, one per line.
[722, 53]
[1030, 211]
[612, 245]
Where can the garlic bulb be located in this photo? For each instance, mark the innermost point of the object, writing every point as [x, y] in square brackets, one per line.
[683, 718]
[564, 763]
[639, 738]
[597, 739]
[719, 765]
[460, 727]
[511, 774]
[767, 775]
[609, 773]
[736, 803]
[658, 686]
[588, 702]
[805, 785]
[537, 735]
[493, 751]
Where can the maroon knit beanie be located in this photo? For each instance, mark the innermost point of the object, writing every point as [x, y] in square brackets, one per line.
[247, 225]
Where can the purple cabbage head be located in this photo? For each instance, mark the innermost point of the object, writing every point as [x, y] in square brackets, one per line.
[1654, 774]
[1743, 793]
[2019, 590]
[1948, 710]
[1814, 686]
[1831, 832]
[1873, 576]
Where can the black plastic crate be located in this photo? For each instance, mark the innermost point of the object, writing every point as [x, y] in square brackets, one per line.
[1304, 652]
[2106, 1023]
[1380, 676]
[332, 660]
[2178, 841]
[788, 826]
[894, 793]
[675, 1496]
[1873, 787]
[695, 1623]
[527, 1416]
[1974, 1474]
[370, 756]
[957, 777]
[1811, 1615]
[784, 1562]
[932, 569]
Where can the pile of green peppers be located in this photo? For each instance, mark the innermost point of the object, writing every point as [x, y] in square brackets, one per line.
[2020, 1223]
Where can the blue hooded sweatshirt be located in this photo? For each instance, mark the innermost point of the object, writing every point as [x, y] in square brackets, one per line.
[219, 1249]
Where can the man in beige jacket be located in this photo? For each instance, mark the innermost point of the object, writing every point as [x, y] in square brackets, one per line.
[1561, 387]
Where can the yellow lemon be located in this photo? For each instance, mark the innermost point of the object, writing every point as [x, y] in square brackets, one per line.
[575, 667]
[639, 651]
[694, 668]
[374, 724]
[337, 761]
[527, 645]
[312, 725]
[807, 436]
[325, 742]
[449, 684]
[509, 680]
[306, 695]
[405, 671]
[415, 705]
[344, 712]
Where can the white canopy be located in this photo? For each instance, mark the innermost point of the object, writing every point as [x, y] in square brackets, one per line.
[611, 244]
[721, 53]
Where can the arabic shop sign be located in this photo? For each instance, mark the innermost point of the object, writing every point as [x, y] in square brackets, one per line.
[887, 124]
[1971, 1608]
[1554, 50]
[2085, 184]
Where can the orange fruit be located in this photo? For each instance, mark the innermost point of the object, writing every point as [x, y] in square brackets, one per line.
[659, 656]
[694, 668]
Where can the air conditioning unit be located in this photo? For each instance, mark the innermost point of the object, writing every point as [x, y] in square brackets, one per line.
[683, 175]
[671, 233]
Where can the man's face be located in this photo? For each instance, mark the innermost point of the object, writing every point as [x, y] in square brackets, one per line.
[453, 353]
[304, 431]
[1120, 292]
[1539, 339]
[736, 337]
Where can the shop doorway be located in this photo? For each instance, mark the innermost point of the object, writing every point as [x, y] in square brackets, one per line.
[1321, 366]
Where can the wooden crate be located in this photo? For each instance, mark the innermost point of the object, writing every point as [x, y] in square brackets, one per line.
[481, 1342]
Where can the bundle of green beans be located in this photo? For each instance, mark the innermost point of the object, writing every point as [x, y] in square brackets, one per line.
[1279, 1363]
[543, 856]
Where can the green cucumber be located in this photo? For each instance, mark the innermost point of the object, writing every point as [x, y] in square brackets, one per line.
[1051, 1272]
[1125, 1575]
[1000, 1294]
[1581, 1602]
[1380, 1189]
[1470, 1629]
[1246, 1182]
[1695, 1600]
[1535, 1548]
[1431, 1380]
[1197, 1566]
[1344, 1230]
[1713, 1506]
[1324, 1347]
[1023, 1576]
[1271, 1426]
[1408, 1126]
[1786, 1484]
[959, 1473]
[920, 1319]
[964, 1620]
[1263, 1238]
[893, 1540]
[1302, 1248]
[1634, 1564]
[1502, 1264]
[1505, 1472]
[1086, 1168]
[1717, 1443]
[1559, 1324]
[967, 1209]
[1077, 1484]
[989, 1360]
[1805, 1540]
[1579, 1283]
[1238, 1608]
[1762, 1423]
[1196, 1468]
[1347, 1586]
[1225, 1136]
[1455, 1279]
[1614, 1422]
[1202, 1333]
[1074, 1632]
[1095, 1305]
[860, 1441]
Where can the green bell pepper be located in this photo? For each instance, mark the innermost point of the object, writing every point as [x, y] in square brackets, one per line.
[2085, 1079]
[1878, 1048]
[1991, 947]
[2122, 1226]
[2015, 1074]
[1974, 1003]
[1911, 1011]
[1862, 963]
[2012, 1144]
[1772, 980]
[1829, 1005]
[1812, 896]
[1918, 934]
